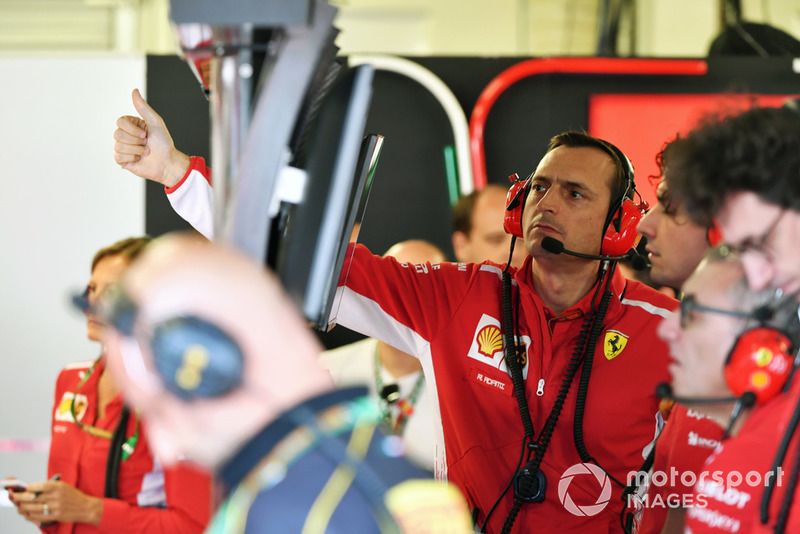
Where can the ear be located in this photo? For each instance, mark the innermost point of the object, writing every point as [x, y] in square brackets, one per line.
[460, 245]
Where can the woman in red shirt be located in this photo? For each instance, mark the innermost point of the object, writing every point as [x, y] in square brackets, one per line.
[102, 475]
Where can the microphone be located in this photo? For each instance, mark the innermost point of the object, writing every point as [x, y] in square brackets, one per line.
[638, 262]
[390, 393]
[554, 246]
[664, 391]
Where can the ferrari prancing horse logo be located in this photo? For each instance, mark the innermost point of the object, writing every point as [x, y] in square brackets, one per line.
[614, 343]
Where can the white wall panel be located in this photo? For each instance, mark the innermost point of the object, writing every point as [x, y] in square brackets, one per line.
[61, 198]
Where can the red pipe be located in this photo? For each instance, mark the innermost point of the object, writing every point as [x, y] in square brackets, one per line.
[588, 65]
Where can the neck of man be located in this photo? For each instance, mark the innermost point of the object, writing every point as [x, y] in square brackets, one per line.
[721, 414]
[561, 282]
[396, 362]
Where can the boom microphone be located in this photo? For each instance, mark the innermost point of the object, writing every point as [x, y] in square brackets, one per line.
[638, 262]
[390, 393]
[554, 246]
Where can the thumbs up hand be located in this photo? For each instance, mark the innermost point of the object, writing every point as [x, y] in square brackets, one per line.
[144, 146]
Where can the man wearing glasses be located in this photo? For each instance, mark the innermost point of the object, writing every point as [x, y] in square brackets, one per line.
[745, 484]
[744, 172]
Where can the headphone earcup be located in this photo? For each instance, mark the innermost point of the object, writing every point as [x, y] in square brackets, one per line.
[515, 203]
[760, 362]
[714, 235]
[617, 242]
[195, 358]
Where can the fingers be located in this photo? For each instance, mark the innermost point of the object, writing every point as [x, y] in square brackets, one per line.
[123, 160]
[20, 497]
[143, 108]
[43, 488]
[122, 136]
[133, 126]
[129, 147]
[127, 150]
[39, 512]
[37, 507]
[32, 506]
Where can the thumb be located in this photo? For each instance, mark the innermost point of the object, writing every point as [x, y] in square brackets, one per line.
[143, 108]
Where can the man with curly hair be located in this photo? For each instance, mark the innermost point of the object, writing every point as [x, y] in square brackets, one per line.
[744, 172]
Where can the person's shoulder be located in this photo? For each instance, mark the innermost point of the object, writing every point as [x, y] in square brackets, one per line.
[766, 418]
[74, 371]
[645, 299]
[487, 268]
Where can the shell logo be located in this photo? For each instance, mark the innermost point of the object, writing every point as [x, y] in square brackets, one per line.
[763, 357]
[490, 340]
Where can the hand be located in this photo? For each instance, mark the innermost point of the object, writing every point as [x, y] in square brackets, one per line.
[144, 146]
[62, 502]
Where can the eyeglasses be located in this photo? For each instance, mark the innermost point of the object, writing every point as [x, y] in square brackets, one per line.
[689, 306]
[758, 245]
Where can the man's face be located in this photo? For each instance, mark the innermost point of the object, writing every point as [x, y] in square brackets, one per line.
[569, 200]
[766, 237]
[675, 245]
[699, 340]
[487, 240]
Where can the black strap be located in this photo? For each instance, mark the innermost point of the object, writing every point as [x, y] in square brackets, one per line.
[115, 455]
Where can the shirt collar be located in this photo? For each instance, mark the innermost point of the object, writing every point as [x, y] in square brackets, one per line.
[524, 276]
[261, 444]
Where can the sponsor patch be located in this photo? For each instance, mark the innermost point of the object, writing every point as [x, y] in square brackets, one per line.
[487, 345]
[614, 343]
[64, 410]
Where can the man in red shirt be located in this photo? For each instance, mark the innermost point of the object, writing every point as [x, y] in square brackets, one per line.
[743, 172]
[573, 458]
[704, 341]
[675, 246]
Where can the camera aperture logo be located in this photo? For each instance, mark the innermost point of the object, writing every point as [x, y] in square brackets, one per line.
[603, 482]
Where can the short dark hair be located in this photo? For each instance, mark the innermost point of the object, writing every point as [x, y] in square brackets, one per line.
[463, 209]
[462, 213]
[756, 151]
[129, 248]
[575, 139]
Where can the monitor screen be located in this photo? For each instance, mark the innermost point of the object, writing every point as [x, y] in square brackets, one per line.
[309, 240]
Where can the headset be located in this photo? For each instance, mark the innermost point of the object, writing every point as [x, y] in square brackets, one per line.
[714, 235]
[619, 237]
[193, 357]
[624, 213]
[762, 359]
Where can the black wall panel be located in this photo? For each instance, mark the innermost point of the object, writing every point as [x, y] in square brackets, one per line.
[409, 199]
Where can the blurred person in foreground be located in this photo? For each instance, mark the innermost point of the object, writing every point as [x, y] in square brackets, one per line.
[225, 372]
